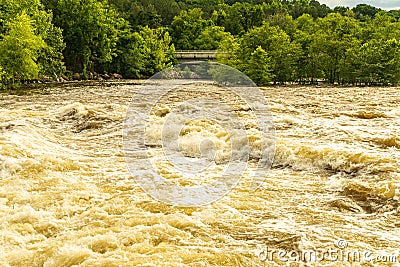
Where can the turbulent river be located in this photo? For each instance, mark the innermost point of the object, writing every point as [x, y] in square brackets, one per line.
[67, 197]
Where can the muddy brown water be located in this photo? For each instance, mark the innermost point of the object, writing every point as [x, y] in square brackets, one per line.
[67, 197]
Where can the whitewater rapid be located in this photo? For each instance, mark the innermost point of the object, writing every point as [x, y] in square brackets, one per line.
[67, 197]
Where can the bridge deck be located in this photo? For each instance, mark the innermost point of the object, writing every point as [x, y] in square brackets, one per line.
[196, 54]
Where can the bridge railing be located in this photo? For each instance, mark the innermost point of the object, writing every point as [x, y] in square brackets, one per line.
[196, 54]
[196, 51]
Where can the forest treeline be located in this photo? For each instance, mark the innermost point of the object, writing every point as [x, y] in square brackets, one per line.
[276, 41]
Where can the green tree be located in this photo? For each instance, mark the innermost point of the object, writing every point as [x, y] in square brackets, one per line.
[298, 7]
[317, 10]
[365, 12]
[227, 52]
[50, 58]
[335, 34]
[306, 70]
[283, 53]
[143, 53]
[90, 29]
[241, 16]
[258, 67]
[9, 9]
[130, 58]
[160, 53]
[152, 13]
[19, 50]
[395, 14]
[231, 19]
[341, 10]
[283, 21]
[210, 38]
[3, 75]
[377, 62]
[207, 6]
[167, 9]
[187, 27]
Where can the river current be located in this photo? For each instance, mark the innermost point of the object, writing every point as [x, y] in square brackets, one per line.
[67, 197]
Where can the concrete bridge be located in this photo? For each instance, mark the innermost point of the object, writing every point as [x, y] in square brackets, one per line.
[195, 55]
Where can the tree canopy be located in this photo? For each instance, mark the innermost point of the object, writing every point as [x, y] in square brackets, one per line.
[19, 50]
[273, 41]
